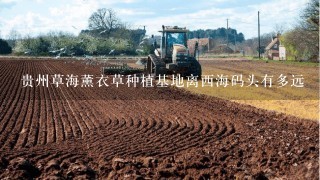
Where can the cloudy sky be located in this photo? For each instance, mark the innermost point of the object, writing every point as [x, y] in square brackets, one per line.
[40, 16]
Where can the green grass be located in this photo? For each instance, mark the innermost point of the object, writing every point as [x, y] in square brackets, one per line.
[286, 62]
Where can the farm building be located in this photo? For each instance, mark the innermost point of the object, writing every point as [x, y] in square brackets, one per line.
[275, 50]
[205, 44]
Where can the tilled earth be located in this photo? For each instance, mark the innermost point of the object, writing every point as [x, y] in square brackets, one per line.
[141, 133]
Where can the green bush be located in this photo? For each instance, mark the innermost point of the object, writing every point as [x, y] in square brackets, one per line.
[4, 47]
[65, 44]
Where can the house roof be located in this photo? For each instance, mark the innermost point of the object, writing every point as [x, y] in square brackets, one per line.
[274, 41]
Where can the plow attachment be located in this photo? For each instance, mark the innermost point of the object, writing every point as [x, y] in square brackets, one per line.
[120, 69]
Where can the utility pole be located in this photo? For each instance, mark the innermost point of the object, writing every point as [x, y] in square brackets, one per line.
[259, 33]
[198, 48]
[227, 32]
[235, 41]
[208, 44]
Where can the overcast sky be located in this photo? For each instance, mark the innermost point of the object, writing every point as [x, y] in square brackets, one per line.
[40, 16]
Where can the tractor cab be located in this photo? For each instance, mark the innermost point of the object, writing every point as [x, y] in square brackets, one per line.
[173, 39]
[173, 43]
[173, 55]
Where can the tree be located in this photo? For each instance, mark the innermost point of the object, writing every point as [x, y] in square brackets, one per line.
[43, 46]
[302, 42]
[220, 33]
[279, 29]
[251, 46]
[4, 47]
[310, 16]
[12, 37]
[104, 20]
[240, 37]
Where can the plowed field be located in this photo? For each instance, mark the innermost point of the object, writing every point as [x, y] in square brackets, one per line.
[146, 133]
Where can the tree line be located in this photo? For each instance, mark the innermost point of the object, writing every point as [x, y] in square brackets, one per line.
[302, 42]
[218, 34]
[106, 35]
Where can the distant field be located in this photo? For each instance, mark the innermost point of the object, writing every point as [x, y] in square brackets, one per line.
[301, 102]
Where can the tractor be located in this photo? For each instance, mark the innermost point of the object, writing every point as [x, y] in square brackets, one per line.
[173, 56]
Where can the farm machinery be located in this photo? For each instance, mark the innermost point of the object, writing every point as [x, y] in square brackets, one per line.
[172, 57]
[123, 69]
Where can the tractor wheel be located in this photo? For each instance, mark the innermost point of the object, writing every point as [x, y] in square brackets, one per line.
[155, 66]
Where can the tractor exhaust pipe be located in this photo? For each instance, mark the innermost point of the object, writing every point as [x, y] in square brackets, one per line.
[195, 50]
[163, 45]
